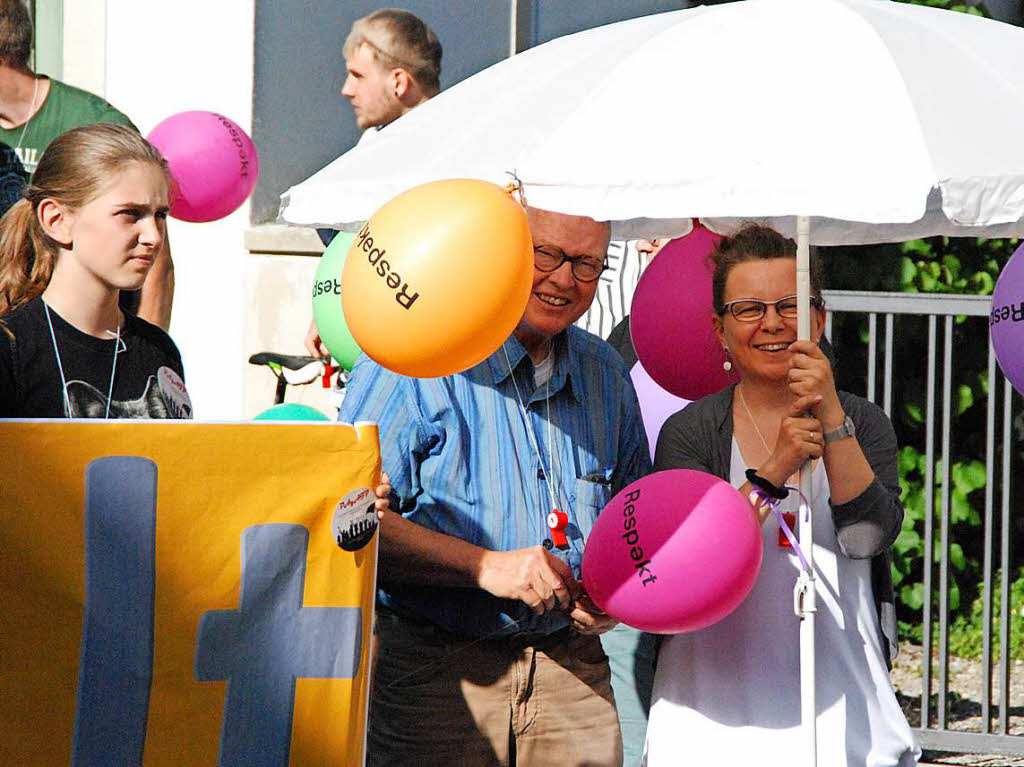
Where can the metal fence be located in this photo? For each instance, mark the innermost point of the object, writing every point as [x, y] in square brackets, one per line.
[948, 311]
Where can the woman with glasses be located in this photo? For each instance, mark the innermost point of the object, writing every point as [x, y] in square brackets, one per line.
[731, 693]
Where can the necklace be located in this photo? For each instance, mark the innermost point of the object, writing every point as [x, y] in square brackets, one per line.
[28, 119]
[553, 519]
[788, 516]
[60, 366]
[750, 415]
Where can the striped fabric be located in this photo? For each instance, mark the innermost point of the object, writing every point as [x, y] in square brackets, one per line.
[614, 294]
[463, 462]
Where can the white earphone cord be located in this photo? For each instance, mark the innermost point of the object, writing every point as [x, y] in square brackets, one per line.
[60, 366]
[529, 429]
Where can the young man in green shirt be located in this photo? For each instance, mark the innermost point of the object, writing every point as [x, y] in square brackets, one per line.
[35, 109]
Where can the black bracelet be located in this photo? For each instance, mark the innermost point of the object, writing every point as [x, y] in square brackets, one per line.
[778, 493]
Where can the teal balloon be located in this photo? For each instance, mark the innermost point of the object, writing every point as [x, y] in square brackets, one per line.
[327, 313]
[291, 411]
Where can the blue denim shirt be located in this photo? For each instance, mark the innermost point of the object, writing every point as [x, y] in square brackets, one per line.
[463, 462]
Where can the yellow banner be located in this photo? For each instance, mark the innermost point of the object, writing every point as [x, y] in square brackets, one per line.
[185, 593]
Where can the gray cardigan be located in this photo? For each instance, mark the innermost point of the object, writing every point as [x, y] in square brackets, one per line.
[700, 437]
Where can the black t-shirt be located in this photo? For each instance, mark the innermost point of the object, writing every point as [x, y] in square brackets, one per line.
[148, 378]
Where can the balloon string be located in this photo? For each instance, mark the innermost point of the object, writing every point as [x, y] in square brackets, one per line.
[515, 186]
[805, 508]
[448, 656]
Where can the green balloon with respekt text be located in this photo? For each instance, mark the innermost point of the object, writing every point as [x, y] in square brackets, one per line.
[327, 313]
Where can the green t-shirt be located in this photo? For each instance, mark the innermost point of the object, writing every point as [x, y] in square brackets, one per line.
[65, 107]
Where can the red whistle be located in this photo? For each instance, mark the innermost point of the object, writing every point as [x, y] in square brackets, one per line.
[790, 518]
[325, 380]
[557, 522]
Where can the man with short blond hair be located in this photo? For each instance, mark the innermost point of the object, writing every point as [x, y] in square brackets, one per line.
[393, 60]
[394, 64]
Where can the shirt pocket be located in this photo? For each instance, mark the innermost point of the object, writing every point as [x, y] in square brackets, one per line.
[593, 492]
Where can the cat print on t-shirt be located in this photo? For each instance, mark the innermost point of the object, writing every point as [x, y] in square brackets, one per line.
[86, 401]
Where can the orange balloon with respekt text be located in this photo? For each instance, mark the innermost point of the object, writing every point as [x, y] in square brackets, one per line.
[439, 277]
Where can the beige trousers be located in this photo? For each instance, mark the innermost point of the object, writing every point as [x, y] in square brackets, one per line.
[440, 699]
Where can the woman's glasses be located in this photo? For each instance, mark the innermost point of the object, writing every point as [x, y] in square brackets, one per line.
[548, 258]
[752, 310]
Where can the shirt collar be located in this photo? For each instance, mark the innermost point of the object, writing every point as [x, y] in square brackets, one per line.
[567, 364]
[723, 406]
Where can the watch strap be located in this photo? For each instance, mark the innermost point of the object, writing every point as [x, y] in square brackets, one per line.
[845, 429]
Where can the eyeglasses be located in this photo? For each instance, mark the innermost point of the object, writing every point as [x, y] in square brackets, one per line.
[548, 258]
[752, 310]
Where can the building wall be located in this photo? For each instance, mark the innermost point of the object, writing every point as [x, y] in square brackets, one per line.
[152, 59]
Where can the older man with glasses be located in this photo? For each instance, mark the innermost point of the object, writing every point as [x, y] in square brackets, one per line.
[488, 647]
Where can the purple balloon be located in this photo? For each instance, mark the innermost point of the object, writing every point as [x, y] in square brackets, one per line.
[670, 319]
[1006, 323]
[656, 404]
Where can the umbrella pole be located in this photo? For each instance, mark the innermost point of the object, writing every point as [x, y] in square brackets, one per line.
[804, 596]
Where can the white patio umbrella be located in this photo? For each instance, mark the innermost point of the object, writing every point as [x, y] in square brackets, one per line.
[880, 120]
[839, 121]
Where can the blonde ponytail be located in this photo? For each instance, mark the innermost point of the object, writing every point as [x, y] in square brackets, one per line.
[73, 170]
[26, 257]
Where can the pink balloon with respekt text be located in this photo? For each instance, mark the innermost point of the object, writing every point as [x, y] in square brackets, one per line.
[673, 552]
[213, 164]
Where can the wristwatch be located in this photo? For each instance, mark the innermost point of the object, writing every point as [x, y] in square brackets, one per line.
[846, 429]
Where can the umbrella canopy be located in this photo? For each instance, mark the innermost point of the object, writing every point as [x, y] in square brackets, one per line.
[880, 121]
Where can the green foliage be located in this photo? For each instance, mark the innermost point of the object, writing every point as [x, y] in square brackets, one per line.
[966, 266]
[966, 630]
[908, 551]
[949, 5]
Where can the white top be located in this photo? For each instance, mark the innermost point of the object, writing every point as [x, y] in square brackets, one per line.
[543, 370]
[730, 694]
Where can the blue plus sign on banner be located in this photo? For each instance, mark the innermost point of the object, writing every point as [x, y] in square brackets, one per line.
[269, 642]
[175, 594]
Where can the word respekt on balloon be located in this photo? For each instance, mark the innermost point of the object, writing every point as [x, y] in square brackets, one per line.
[439, 277]
[1006, 321]
[673, 552]
[212, 161]
[327, 312]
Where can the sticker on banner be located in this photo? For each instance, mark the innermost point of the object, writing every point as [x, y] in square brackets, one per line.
[355, 519]
[175, 395]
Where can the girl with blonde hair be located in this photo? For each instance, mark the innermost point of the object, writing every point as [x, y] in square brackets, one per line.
[90, 225]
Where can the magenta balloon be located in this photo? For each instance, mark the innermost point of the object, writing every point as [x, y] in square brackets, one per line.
[212, 161]
[656, 404]
[670, 319]
[1006, 322]
[673, 552]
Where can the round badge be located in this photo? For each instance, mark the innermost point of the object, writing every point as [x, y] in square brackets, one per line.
[175, 395]
[355, 519]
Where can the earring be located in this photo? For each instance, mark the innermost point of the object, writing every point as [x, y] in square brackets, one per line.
[727, 365]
